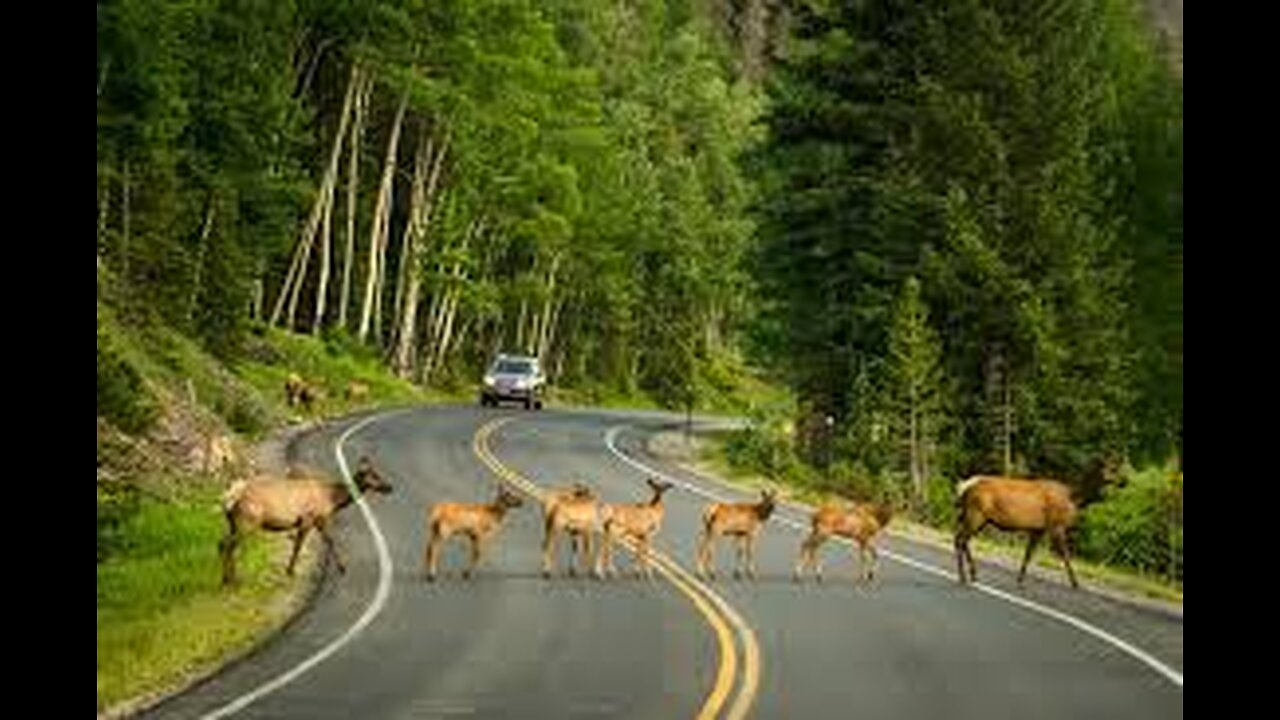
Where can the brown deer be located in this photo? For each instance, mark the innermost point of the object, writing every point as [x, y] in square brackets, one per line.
[300, 392]
[479, 522]
[299, 503]
[357, 391]
[638, 522]
[743, 520]
[574, 513]
[862, 523]
[1031, 506]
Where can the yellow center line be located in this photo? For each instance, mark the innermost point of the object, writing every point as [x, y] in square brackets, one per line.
[713, 608]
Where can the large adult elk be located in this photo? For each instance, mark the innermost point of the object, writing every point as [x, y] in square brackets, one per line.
[300, 504]
[862, 523]
[479, 522]
[638, 522]
[1032, 506]
[742, 520]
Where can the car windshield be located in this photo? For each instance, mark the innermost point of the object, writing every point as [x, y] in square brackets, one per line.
[514, 367]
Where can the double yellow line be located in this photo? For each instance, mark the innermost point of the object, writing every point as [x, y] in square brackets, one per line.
[718, 614]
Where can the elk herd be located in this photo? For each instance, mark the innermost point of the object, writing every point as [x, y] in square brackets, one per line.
[304, 501]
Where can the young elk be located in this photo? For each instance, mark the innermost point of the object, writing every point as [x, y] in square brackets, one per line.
[299, 503]
[299, 392]
[478, 521]
[638, 522]
[743, 520]
[1032, 506]
[357, 391]
[551, 498]
[861, 524]
[572, 511]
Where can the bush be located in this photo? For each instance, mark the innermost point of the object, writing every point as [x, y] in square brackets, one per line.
[939, 503]
[1138, 523]
[122, 397]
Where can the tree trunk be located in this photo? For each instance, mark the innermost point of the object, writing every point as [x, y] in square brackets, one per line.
[353, 185]
[297, 272]
[326, 244]
[407, 297]
[201, 251]
[104, 201]
[124, 222]
[381, 220]
[917, 484]
[1008, 429]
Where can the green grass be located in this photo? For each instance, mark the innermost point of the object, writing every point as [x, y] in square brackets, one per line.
[162, 612]
[709, 456]
[331, 365]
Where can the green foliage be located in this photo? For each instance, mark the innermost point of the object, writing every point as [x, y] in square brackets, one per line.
[122, 395]
[161, 610]
[1137, 524]
[1000, 154]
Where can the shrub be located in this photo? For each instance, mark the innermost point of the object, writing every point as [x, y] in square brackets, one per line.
[1138, 523]
[122, 397]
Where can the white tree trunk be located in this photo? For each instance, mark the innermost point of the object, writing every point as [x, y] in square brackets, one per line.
[297, 270]
[353, 186]
[409, 278]
[381, 219]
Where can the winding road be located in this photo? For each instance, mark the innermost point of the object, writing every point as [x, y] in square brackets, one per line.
[380, 642]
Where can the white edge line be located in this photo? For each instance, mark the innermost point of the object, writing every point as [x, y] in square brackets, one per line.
[1172, 675]
[370, 612]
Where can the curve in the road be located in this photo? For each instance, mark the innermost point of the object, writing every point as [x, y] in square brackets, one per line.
[375, 606]
[1146, 658]
[718, 613]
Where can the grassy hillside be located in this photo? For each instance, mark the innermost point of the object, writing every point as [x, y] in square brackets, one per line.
[174, 426]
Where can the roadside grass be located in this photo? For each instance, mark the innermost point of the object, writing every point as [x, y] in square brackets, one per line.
[708, 456]
[162, 612]
[332, 365]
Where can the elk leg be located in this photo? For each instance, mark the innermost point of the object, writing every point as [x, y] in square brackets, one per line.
[875, 561]
[751, 556]
[548, 548]
[604, 562]
[1032, 541]
[1060, 542]
[431, 556]
[298, 537]
[645, 561]
[475, 557]
[323, 527]
[227, 547]
[704, 548]
[962, 548]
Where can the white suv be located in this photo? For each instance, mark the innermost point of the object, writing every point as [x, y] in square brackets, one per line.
[513, 377]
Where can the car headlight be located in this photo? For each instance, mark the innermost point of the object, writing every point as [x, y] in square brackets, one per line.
[488, 380]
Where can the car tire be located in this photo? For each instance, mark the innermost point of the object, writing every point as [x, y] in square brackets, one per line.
[528, 404]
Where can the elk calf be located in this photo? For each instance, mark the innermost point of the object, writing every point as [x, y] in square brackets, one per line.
[357, 391]
[300, 392]
[862, 524]
[742, 520]
[299, 504]
[574, 513]
[1031, 506]
[477, 521]
[638, 522]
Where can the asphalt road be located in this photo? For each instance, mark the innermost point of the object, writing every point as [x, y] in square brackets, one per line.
[511, 644]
